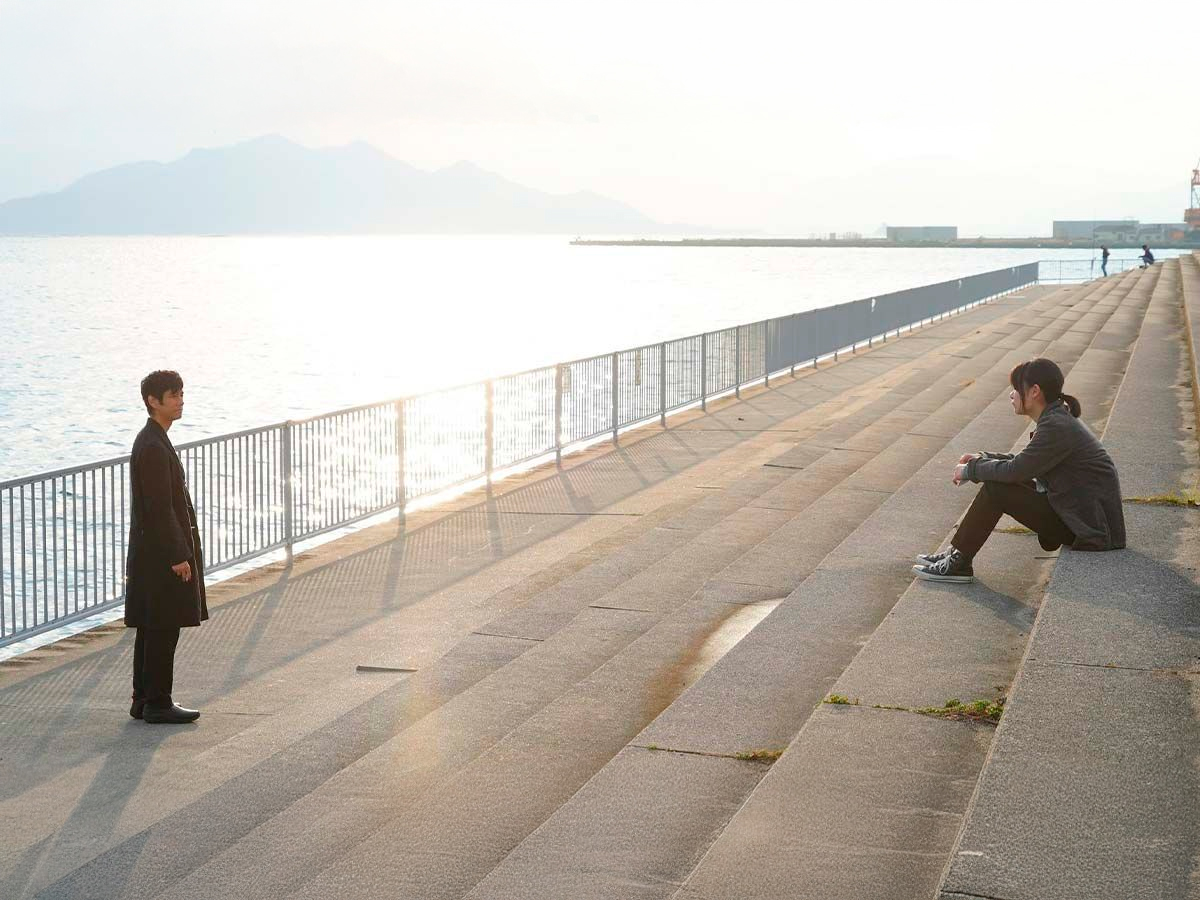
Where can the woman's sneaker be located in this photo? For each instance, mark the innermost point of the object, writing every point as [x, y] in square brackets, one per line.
[928, 559]
[952, 567]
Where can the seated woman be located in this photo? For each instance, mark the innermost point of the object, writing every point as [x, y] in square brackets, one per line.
[1063, 485]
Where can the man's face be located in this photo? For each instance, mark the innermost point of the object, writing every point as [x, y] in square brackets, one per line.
[171, 404]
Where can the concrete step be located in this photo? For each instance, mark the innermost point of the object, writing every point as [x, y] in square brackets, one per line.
[323, 734]
[646, 828]
[613, 807]
[1102, 724]
[867, 800]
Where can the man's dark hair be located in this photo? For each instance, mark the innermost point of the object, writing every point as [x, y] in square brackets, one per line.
[158, 383]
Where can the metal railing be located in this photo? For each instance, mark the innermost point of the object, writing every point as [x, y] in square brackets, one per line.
[63, 534]
[1080, 270]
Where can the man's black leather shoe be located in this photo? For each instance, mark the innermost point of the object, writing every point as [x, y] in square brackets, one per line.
[169, 715]
[136, 709]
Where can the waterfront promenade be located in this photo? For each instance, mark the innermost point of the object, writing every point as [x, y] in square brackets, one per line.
[605, 679]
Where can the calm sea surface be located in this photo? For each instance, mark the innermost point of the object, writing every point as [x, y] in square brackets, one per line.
[269, 328]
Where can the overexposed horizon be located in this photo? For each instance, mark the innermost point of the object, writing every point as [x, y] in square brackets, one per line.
[766, 118]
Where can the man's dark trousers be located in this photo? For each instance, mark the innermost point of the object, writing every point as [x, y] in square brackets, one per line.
[1023, 503]
[154, 665]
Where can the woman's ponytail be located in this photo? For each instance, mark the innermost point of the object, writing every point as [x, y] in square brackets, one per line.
[1072, 404]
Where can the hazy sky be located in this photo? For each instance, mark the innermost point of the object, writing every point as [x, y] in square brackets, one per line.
[782, 117]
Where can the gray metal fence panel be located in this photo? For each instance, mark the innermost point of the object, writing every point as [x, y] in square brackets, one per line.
[722, 360]
[782, 343]
[587, 399]
[683, 371]
[237, 485]
[523, 415]
[640, 382]
[752, 349]
[444, 440]
[805, 336]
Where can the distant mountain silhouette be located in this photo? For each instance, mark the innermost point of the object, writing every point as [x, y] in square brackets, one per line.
[271, 185]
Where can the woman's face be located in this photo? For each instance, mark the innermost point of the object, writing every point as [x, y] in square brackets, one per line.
[1017, 402]
[1020, 404]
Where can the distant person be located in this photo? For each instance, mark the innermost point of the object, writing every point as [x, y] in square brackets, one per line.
[1147, 257]
[1063, 485]
[164, 585]
[1104, 261]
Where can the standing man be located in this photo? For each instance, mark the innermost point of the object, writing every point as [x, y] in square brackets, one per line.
[164, 584]
[1104, 260]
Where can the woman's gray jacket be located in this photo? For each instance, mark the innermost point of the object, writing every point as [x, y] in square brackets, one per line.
[1077, 473]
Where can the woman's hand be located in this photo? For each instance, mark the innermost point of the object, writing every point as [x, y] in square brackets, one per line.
[960, 470]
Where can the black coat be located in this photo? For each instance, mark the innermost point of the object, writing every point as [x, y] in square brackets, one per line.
[162, 533]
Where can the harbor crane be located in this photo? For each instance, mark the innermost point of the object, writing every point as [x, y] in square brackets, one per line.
[1192, 214]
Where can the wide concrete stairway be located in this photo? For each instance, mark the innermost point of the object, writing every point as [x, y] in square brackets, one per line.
[1092, 785]
[579, 684]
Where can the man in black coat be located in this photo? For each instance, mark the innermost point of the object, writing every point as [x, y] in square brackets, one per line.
[164, 583]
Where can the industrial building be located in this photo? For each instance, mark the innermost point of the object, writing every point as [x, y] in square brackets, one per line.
[1131, 231]
[922, 233]
[1119, 231]
[1086, 229]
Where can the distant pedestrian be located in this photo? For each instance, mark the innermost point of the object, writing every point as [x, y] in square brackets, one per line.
[1147, 257]
[1104, 260]
[1063, 485]
[164, 584]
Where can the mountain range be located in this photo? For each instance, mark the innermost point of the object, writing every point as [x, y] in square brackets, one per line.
[271, 185]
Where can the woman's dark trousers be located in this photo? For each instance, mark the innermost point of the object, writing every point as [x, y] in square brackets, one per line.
[154, 665]
[1023, 503]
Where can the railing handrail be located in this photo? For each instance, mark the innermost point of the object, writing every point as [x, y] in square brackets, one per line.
[264, 488]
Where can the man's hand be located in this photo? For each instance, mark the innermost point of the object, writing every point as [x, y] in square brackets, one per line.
[183, 570]
[967, 457]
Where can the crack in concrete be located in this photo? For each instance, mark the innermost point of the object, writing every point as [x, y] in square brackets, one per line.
[514, 637]
[523, 512]
[1083, 665]
[654, 748]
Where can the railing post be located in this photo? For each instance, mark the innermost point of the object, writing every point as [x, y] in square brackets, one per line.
[489, 429]
[737, 361]
[792, 343]
[616, 395]
[766, 363]
[662, 383]
[558, 405]
[401, 486]
[288, 508]
[704, 372]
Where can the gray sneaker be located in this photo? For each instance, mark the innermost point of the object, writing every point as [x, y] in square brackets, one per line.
[952, 567]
